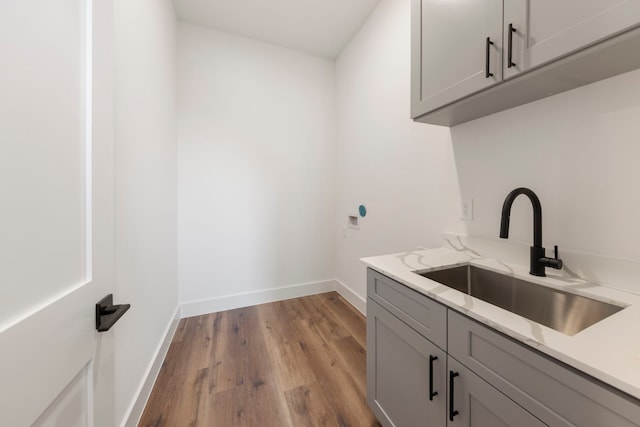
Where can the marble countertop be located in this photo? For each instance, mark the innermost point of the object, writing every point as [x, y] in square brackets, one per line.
[608, 350]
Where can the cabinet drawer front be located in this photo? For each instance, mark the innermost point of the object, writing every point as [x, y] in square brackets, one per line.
[423, 314]
[558, 395]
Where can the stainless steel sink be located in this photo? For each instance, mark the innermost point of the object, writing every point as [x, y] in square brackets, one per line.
[562, 311]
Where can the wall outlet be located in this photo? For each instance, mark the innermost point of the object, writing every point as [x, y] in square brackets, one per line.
[466, 209]
[352, 222]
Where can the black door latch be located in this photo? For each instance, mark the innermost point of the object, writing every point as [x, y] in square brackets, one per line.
[107, 314]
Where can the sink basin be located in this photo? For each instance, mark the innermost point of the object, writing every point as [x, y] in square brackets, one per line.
[565, 312]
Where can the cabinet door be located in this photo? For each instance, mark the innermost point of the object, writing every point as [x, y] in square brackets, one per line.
[449, 50]
[478, 404]
[398, 373]
[548, 30]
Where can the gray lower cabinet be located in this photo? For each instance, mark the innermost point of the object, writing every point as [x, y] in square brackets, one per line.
[410, 382]
[400, 390]
[477, 404]
[555, 393]
[436, 367]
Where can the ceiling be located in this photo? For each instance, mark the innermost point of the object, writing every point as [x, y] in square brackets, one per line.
[319, 27]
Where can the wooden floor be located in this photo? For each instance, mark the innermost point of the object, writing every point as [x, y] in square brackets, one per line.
[299, 362]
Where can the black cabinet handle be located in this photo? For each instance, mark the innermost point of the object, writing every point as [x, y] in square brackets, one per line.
[431, 392]
[108, 314]
[452, 412]
[487, 72]
[510, 62]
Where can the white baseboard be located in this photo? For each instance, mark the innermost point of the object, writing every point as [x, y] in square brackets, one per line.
[134, 412]
[352, 297]
[246, 299]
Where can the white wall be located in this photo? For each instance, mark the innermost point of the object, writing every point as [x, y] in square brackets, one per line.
[145, 188]
[577, 150]
[256, 162]
[402, 171]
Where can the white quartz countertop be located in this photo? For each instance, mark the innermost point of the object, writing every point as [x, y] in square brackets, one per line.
[608, 350]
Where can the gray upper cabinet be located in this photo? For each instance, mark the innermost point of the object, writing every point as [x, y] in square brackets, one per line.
[451, 44]
[537, 48]
[542, 31]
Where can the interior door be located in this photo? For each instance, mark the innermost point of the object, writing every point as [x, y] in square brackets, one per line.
[56, 227]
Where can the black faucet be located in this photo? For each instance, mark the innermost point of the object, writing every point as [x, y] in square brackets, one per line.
[538, 259]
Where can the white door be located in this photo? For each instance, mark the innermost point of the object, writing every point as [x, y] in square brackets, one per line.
[56, 226]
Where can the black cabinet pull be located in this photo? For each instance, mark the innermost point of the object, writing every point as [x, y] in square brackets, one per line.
[452, 412]
[510, 62]
[487, 72]
[431, 392]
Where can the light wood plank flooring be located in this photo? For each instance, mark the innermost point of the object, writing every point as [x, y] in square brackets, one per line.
[299, 362]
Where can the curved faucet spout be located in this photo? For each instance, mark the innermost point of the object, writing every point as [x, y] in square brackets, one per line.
[537, 214]
[538, 260]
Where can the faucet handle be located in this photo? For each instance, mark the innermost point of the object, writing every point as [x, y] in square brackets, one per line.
[554, 262]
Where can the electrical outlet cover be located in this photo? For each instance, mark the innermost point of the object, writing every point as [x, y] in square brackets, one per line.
[466, 209]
